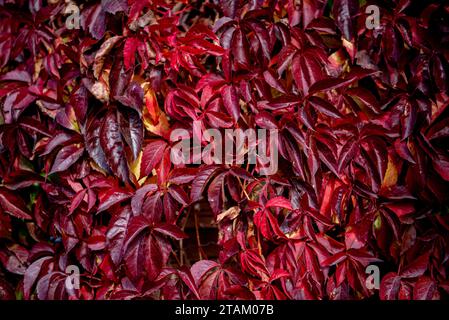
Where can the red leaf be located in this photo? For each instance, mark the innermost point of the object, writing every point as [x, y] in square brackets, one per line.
[344, 11]
[112, 143]
[31, 275]
[240, 49]
[324, 107]
[231, 101]
[13, 204]
[401, 208]
[112, 197]
[214, 193]
[416, 268]
[129, 52]
[171, 231]
[102, 53]
[132, 130]
[153, 257]
[200, 182]
[306, 71]
[266, 120]
[335, 259]
[66, 157]
[187, 278]
[200, 268]
[138, 198]
[268, 224]
[425, 289]
[152, 155]
[116, 234]
[136, 226]
[77, 199]
[93, 147]
[389, 286]
[347, 153]
[279, 202]
[182, 175]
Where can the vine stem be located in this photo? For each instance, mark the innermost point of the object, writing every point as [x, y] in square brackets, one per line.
[198, 240]
[181, 242]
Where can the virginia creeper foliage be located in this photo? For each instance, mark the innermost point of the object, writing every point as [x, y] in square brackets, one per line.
[86, 177]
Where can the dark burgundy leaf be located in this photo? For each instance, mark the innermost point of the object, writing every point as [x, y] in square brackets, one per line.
[13, 204]
[112, 143]
[231, 101]
[152, 155]
[116, 234]
[389, 286]
[66, 157]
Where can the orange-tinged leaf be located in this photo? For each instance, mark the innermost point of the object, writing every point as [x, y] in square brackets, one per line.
[391, 175]
[162, 128]
[152, 106]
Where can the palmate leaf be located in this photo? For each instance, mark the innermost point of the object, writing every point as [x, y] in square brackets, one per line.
[143, 242]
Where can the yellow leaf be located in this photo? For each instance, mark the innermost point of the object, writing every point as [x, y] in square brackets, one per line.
[161, 128]
[154, 119]
[135, 169]
[391, 175]
[231, 213]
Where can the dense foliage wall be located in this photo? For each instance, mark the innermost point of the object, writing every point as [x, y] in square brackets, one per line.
[91, 91]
